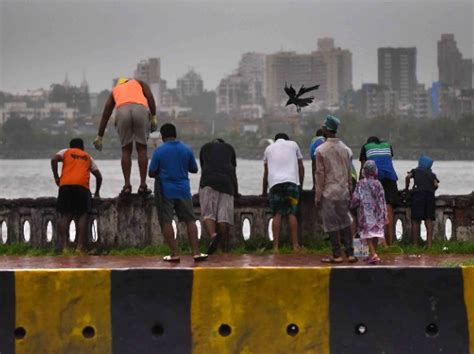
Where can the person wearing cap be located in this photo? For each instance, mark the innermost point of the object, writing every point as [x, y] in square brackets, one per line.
[423, 204]
[381, 152]
[74, 196]
[134, 118]
[333, 191]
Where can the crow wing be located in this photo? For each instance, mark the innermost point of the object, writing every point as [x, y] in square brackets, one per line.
[290, 91]
[303, 90]
[303, 102]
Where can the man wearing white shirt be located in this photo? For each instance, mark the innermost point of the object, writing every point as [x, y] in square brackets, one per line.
[283, 175]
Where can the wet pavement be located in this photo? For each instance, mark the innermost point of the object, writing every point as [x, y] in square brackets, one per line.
[221, 260]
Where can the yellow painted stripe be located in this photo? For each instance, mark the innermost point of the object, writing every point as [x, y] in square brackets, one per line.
[259, 304]
[468, 276]
[55, 306]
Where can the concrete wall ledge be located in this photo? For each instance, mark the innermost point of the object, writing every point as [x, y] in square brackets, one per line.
[132, 221]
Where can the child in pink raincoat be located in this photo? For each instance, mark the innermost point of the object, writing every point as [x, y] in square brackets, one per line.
[369, 198]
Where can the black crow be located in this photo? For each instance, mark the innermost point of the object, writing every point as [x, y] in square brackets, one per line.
[294, 98]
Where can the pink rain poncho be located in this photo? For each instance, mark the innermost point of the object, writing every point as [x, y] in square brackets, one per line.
[369, 198]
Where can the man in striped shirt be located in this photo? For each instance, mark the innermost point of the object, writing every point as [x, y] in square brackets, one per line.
[381, 153]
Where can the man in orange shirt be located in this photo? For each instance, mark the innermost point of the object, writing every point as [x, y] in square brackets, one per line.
[74, 197]
[135, 117]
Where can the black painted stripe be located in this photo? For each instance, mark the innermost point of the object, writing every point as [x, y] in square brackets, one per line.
[151, 311]
[396, 306]
[7, 312]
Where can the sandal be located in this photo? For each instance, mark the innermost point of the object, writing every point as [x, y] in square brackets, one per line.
[352, 259]
[144, 190]
[214, 244]
[126, 190]
[374, 260]
[200, 257]
[171, 258]
[332, 260]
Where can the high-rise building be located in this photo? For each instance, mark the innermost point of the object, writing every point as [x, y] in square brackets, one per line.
[241, 94]
[377, 100]
[149, 71]
[453, 70]
[397, 71]
[422, 103]
[252, 66]
[329, 67]
[189, 85]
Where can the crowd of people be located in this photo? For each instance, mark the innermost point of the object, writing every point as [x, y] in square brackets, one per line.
[348, 207]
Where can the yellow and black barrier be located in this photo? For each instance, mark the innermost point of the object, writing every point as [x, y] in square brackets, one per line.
[238, 310]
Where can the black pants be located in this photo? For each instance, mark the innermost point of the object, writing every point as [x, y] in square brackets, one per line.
[346, 238]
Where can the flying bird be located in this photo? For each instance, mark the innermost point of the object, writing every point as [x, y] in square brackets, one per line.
[294, 98]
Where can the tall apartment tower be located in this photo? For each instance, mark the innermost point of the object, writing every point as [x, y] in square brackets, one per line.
[453, 70]
[190, 84]
[330, 67]
[149, 71]
[397, 71]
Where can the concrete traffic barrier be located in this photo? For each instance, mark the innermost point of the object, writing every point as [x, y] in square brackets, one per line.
[260, 310]
[151, 311]
[398, 310]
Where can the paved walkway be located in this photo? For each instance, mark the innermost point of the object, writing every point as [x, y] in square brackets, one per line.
[221, 260]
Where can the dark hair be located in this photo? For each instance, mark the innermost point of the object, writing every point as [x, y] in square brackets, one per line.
[77, 143]
[168, 130]
[281, 136]
[373, 139]
[319, 132]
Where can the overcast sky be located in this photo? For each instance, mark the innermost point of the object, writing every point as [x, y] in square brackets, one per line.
[40, 41]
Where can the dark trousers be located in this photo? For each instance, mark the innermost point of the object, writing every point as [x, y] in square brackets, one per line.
[346, 238]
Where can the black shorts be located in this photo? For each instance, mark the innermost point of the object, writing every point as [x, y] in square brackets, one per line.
[74, 199]
[423, 206]
[391, 191]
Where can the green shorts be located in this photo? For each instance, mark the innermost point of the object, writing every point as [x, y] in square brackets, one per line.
[284, 198]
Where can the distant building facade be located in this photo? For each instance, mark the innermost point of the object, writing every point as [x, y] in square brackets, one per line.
[241, 93]
[149, 71]
[189, 85]
[330, 67]
[397, 71]
[377, 100]
[453, 70]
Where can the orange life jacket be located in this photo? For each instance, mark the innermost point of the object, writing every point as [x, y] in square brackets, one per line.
[129, 92]
[76, 168]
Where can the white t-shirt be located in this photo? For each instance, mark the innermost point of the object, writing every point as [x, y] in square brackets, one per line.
[282, 158]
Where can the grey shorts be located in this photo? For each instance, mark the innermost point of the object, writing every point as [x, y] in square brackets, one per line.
[216, 206]
[133, 123]
[182, 207]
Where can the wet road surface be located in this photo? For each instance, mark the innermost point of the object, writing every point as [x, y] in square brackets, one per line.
[220, 260]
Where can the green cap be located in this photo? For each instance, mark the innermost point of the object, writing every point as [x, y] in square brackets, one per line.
[331, 123]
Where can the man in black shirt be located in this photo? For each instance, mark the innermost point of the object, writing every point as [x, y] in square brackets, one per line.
[217, 189]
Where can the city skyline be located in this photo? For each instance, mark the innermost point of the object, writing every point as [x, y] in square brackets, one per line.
[40, 43]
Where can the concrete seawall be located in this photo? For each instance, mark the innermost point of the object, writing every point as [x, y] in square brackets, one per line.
[133, 222]
[238, 310]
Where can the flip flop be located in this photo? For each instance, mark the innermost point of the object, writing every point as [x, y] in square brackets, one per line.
[143, 190]
[214, 244]
[171, 258]
[352, 259]
[126, 190]
[200, 257]
[332, 260]
[374, 260]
